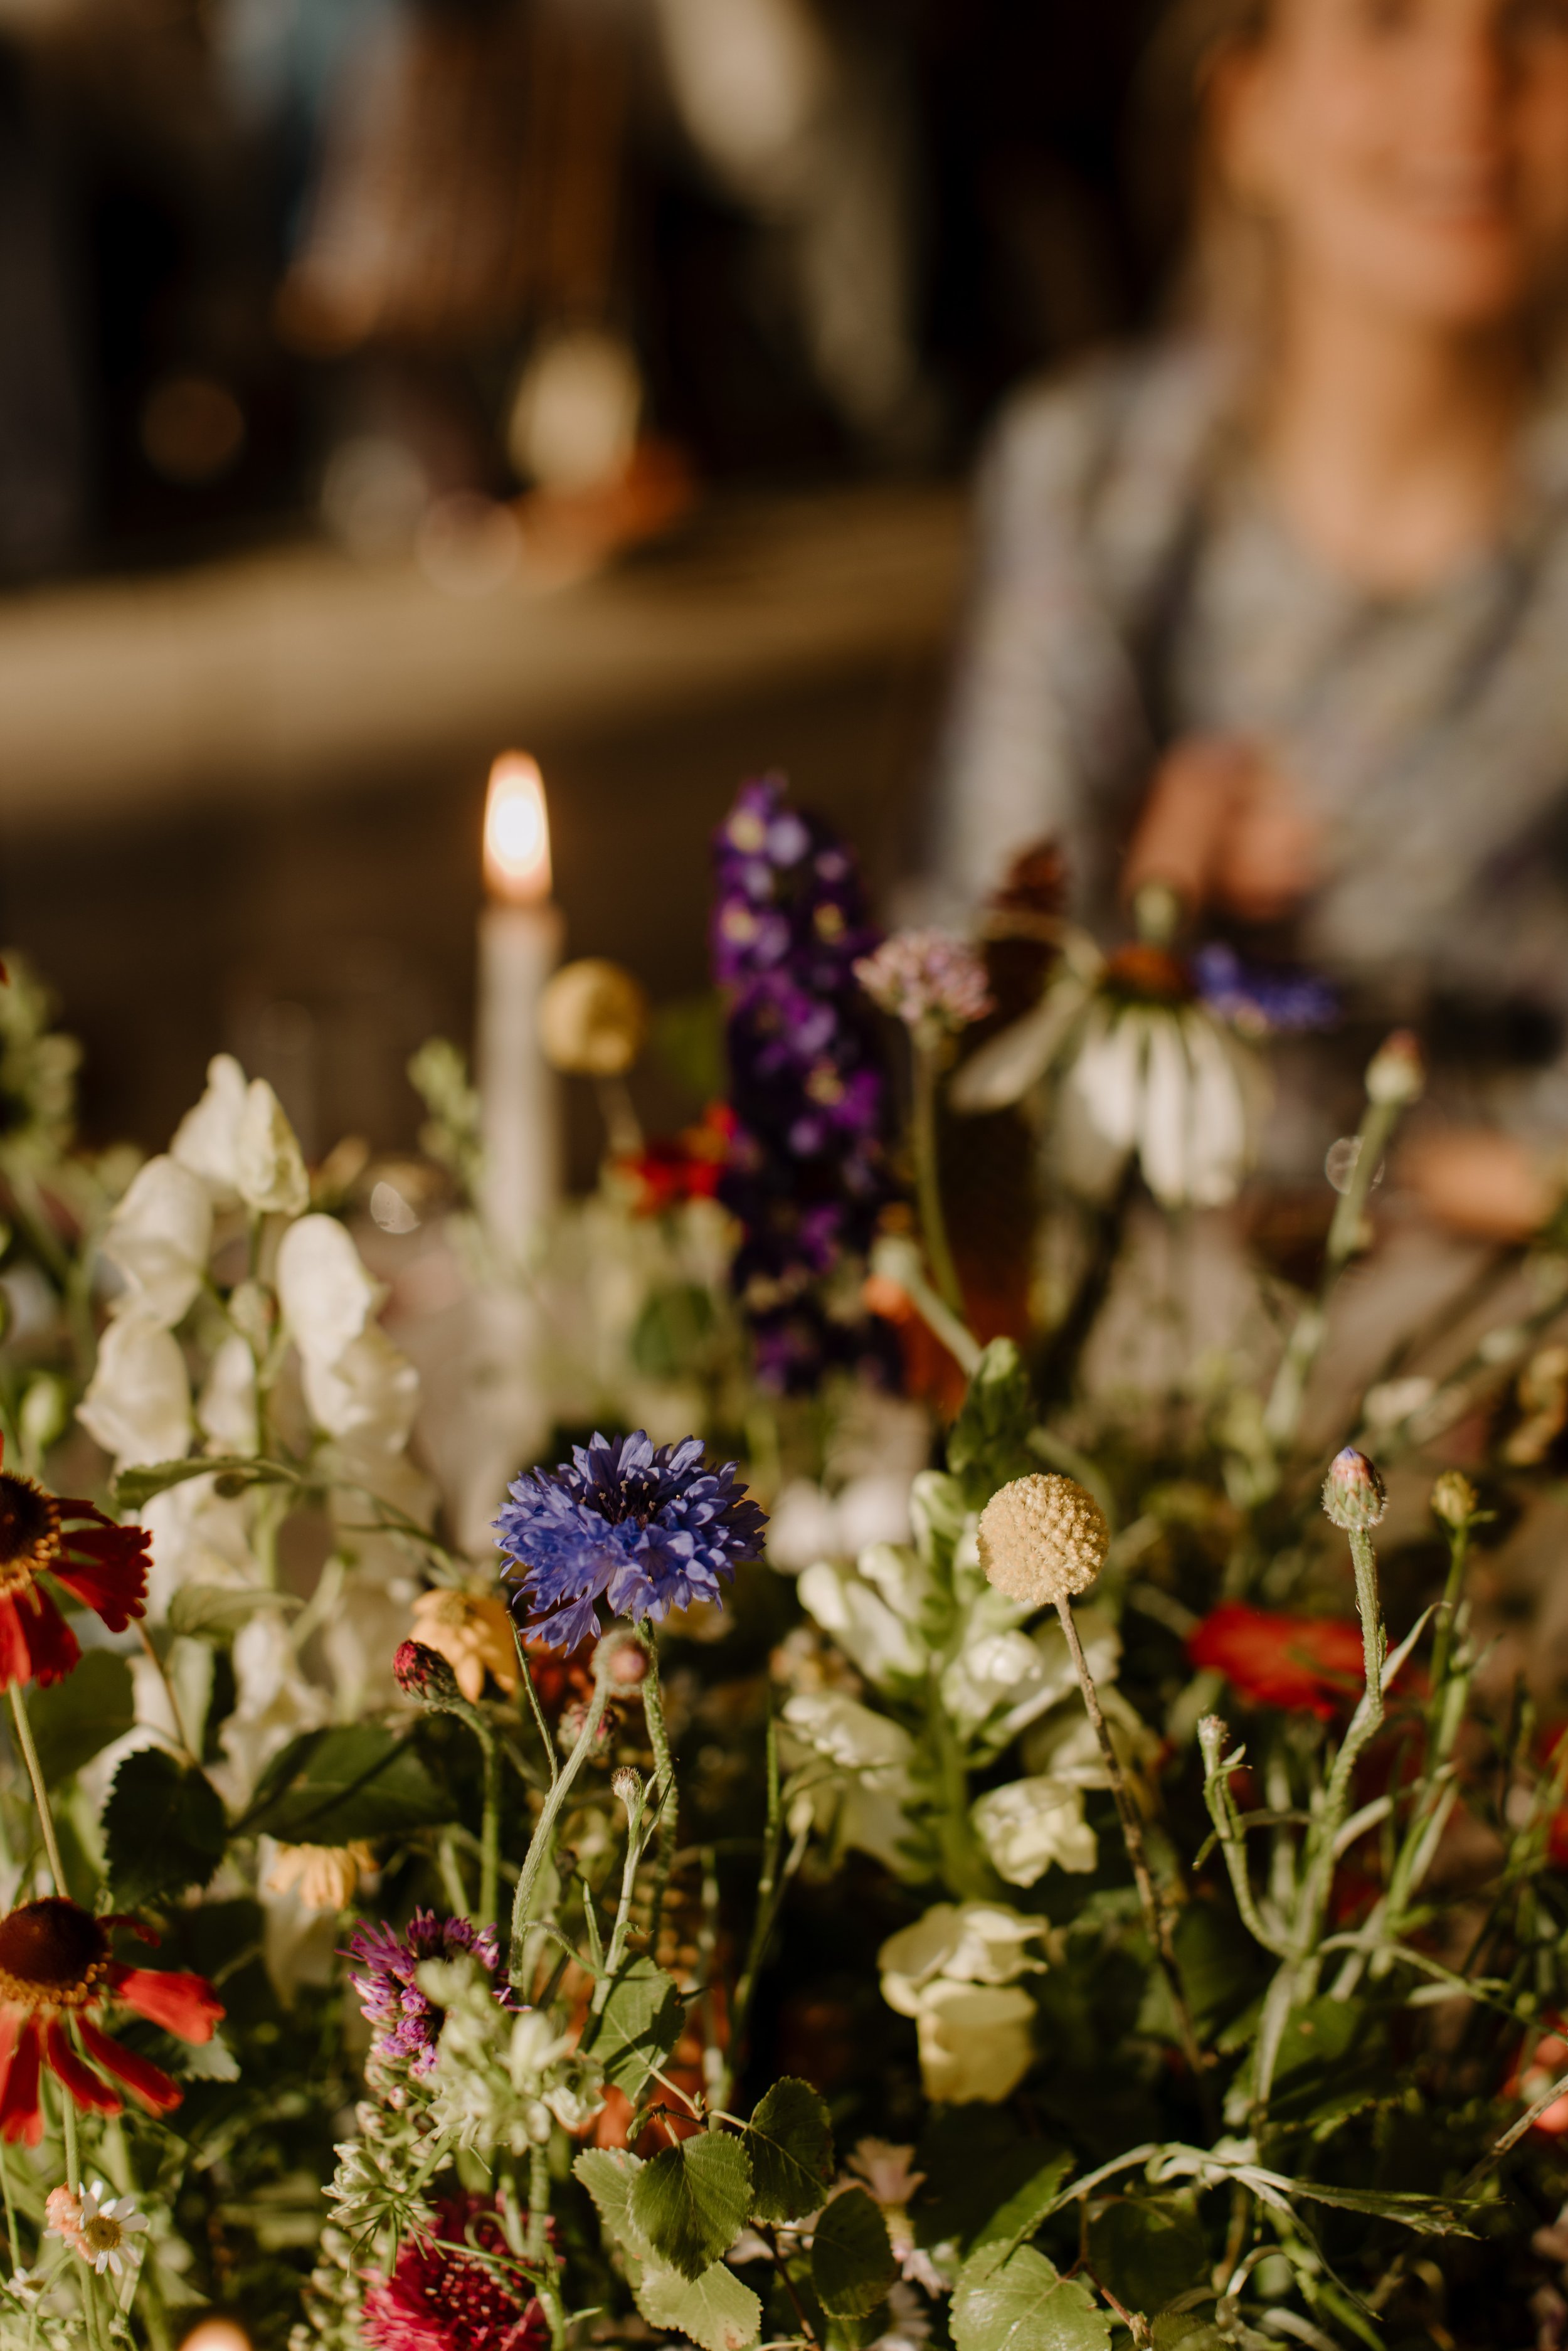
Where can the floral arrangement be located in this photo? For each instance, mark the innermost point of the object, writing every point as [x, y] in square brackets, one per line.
[973, 1847]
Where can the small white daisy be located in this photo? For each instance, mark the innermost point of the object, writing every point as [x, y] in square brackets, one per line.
[107, 2228]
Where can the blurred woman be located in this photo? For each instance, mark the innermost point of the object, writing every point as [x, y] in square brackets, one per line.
[1277, 610]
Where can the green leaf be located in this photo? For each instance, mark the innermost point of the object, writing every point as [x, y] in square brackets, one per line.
[691, 2201]
[1020, 2216]
[715, 2310]
[217, 1610]
[75, 1719]
[975, 2160]
[639, 2025]
[332, 1786]
[1429, 2216]
[1148, 2250]
[853, 2263]
[608, 2173]
[1022, 2305]
[163, 1827]
[133, 1490]
[989, 1443]
[791, 2141]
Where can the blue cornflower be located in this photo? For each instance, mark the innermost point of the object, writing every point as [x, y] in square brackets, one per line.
[1259, 1002]
[644, 1527]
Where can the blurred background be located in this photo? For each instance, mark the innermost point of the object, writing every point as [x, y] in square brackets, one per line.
[383, 382]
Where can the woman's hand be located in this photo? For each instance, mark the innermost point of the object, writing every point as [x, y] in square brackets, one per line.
[1479, 1181]
[1223, 827]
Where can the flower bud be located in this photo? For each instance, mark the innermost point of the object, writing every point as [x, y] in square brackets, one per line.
[1043, 1537]
[628, 1787]
[629, 1664]
[426, 1674]
[1353, 1493]
[1212, 1733]
[593, 1018]
[1454, 1500]
[1397, 1073]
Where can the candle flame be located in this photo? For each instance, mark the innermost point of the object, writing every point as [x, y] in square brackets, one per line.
[516, 831]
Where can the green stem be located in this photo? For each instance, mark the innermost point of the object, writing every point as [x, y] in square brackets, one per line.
[1156, 1917]
[636, 1848]
[540, 2258]
[13, 2240]
[664, 1782]
[761, 1924]
[490, 1831]
[542, 1843]
[928, 1177]
[40, 1796]
[1443, 1641]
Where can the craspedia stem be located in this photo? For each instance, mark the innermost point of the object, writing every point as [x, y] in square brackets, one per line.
[1044, 1538]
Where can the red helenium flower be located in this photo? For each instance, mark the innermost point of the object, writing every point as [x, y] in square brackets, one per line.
[671, 1170]
[440, 2298]
[55, 1972]
[103, 1565]
[1313, 1665]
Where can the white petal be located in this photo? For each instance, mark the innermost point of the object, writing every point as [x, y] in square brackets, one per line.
[862, 1623]
[1218, 1116]
[226, 1407]
[268, 1169]
[1106, 1073]
[159, 1238]
[206, 1140]
[1165, 1113]
[326, 1294]
[1005, 1067]
[369, 1396]
[138, 1405]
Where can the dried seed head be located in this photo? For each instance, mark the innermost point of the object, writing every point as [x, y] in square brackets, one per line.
[628, 1787]
[1454, 1500]
[1353, 1493]
[1043, 1537]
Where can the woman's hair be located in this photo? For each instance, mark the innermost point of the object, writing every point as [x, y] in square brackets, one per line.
[1218, 248]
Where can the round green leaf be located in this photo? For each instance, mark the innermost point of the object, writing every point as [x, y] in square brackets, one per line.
[853, 2263]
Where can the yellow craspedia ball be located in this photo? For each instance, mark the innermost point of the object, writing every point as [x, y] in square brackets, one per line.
[593, 1018]
[1043, 1538]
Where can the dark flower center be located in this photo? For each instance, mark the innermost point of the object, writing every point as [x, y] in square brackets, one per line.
[29, 1531]
[53, 1954]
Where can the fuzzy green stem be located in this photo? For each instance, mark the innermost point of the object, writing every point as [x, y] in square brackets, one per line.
[637, 1844]
[761, 1924]
[1443, 1640]
[490, 1831]
[40, 1794]
[542, 1843]
[1227, 1828]
[540, 2258]
[928, 1177]
[663, 1781]
[13, 2240]
[1156, 1917]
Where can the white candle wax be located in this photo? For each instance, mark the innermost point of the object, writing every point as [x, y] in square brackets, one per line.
[520, 938]
[520, 947]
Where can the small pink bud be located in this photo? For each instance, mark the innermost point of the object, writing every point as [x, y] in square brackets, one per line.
[423, 1673]
[1353, 1494]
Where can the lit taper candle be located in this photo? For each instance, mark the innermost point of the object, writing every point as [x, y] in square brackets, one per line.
[520, 937]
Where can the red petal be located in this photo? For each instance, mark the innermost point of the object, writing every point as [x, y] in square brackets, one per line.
[21, 2114]
[95, 2097]
[49, 1647]
[144, 2080]
[16, 1666]
[106, 1568]
[186, 2005]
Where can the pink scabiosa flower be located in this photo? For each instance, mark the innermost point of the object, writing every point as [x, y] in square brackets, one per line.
[385, 1973]
[441, 2297]
[930, 981]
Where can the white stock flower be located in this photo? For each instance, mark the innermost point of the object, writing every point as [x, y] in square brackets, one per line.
[269, 1170]
[976, 2042]
[1030, 1824]
[368, 1397]
[808, 1523]
[883, 1648]
[273, 1702]
[1004, 1680]
[138, 1403]
[206, 1140]
[226, 1407]
[199, 1536]
[956, 1972]
[1065, 1748]
[158, 1240]
[960, 1942]
[872, 1756]
[325, 1291]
